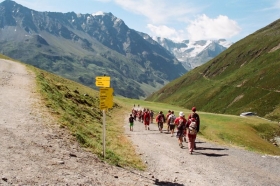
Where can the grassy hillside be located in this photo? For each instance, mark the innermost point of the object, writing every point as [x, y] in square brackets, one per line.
[76, 107]
[243, 78]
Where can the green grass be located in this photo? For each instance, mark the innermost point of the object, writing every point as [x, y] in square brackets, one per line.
[76, 107]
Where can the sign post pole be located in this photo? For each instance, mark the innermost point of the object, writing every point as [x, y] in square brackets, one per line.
[104, 133]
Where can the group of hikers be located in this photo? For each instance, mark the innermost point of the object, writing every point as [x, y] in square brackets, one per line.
[186, 127]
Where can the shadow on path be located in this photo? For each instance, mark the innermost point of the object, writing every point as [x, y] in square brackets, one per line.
[167, 183]
[210, 154]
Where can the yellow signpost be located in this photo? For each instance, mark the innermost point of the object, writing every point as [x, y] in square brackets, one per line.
[106, 100]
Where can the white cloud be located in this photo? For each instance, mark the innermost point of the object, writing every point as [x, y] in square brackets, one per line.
[158, 11]
[161, 14]
[206, 28]
[166, 32]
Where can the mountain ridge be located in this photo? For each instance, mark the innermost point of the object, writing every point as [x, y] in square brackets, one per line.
[83, 46]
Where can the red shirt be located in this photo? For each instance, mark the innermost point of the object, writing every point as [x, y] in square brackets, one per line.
[178, 119]
[147, 117]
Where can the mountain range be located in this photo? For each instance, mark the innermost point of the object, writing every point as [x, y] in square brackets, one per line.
[83, 46]
[194, 53]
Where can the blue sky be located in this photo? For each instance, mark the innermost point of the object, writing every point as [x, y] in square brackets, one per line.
[177, 19]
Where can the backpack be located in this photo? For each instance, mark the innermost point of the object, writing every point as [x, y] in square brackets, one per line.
[131, 119]
[181, 125]
[160, 118]
[193, 127]
[172, 119]
[147, 119]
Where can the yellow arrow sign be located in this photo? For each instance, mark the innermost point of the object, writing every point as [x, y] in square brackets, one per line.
[102, 83]
[106, 98]
[102, 78]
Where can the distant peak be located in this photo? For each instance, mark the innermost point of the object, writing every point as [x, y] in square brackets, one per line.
[8, 1]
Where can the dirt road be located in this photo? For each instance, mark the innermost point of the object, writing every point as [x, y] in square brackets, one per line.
[209, 165]
[35, 151]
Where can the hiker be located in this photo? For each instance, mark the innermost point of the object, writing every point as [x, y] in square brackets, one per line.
[139, 115]
[192, 129]
[131, 122]
[135, 114]
[167, 121]
[171, 121]
[146, 118]
[152, 116]
[160, 120]
[181, 126]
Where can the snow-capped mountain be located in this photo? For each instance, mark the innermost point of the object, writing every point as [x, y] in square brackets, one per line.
[194, 53]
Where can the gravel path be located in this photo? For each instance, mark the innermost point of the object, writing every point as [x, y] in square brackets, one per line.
[210, 164]
[35, 151]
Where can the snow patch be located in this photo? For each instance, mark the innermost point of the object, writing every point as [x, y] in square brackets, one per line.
[98, 13]
[225, 44]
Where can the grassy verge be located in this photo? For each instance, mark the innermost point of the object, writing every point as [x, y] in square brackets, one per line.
[251, 133]
[77, 108]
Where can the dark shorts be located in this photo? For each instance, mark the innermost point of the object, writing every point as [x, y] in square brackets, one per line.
[160, 124]
[180, 133]
[172, 127]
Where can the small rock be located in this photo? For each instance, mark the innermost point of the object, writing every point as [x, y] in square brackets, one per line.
[72, 155]
[5, 179]
[60, 162]
[116, 177]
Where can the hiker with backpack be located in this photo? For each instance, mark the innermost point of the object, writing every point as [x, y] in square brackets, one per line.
[167, 121]
[131, 122]
[160, 120]
[171, 121]
[192, 129]
[146, 118]
[181, 127]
